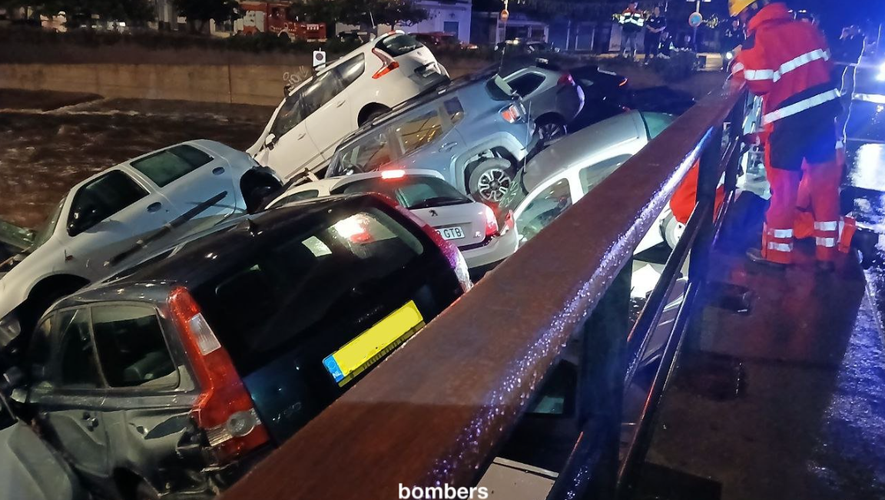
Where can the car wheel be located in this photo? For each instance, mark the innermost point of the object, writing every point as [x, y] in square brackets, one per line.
[490, 180]
[551, 128]
[145, 491]
[672, 230]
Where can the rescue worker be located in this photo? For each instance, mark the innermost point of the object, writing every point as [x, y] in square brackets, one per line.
[787, 62]
[632, 20]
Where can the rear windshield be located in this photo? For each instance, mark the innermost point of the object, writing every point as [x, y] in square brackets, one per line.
[398, 45]
[499, 90]
[171, 164]
[283, 292]
[412, 192]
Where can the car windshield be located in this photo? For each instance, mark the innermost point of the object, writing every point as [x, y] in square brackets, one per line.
[306, 282]
[48, 227]
[366, 154]
[412, 192]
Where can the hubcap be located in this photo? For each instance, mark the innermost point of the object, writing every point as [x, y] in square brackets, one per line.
[551, 131]
[493, 184]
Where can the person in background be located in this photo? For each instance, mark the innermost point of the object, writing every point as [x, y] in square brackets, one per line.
[666, 45]
[732, 37]
[655, 26]
[631, 21]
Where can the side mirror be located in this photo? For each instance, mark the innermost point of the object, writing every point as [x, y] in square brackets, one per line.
[270, 140]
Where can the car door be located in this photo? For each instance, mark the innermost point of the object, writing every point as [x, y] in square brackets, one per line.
[196, 182]
[68, 391]
[288, 148]
[327, 112]
[108, 215]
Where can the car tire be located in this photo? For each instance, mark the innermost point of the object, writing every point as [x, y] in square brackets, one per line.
[550, 128]
[671, 230]
[490, 180]
[145, 491]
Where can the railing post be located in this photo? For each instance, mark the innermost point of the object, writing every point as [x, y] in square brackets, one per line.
[601, 382]
[708, 179]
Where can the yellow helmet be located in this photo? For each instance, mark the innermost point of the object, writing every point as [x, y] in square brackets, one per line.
[735, 7]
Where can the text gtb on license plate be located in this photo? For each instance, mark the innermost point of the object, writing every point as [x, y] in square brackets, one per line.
[451, 233]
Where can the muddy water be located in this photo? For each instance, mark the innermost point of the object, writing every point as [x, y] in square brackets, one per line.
[43, 154]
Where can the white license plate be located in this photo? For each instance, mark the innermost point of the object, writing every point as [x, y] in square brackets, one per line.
[451, 233]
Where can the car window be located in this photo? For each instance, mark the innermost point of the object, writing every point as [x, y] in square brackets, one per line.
[171, 164]
[412, 191]
[544, 209]
[526, 84]
[655, 123]
[592, 175]
[48, 228]
[367, 154]
[102, 198]
[419, 131]
[351, 69]
[290, 114]
[319, 92]
[498, 89]
[398, 45]
[303, 195]
[131, 347]
[454, 109]
[77, 365]
[306, 283]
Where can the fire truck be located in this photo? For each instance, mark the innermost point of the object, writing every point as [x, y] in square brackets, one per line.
[273, 17]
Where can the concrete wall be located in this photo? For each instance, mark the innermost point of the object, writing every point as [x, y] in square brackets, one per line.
[258, 85]
[235, 84]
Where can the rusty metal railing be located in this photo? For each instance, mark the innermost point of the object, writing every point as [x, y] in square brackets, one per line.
[439, 408]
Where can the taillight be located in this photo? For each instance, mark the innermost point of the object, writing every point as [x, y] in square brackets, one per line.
[224, 409]
[512, 113]
[566, 79]
[393, 174]
[389, 64]
[491, 222]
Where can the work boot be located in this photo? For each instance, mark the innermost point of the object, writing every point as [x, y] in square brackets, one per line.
[825, 266]
[755, 255]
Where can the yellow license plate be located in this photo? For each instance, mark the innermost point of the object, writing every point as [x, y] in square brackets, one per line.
[369, 347]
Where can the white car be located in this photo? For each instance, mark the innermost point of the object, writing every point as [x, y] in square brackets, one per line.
[560, 175]
[115, 213]
[310, 122]
[470, 225]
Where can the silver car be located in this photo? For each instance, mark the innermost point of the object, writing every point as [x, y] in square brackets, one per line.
[550, 95]
[470, 225]
[474, 132]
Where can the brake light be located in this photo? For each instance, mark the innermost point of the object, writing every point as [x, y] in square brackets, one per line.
[393, 174]
[566, 79]
[491, 222]
[389, 64]
[512, 113]
[224, 409]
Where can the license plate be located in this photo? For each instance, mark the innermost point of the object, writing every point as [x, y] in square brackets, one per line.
[451, 233]
[372, 345]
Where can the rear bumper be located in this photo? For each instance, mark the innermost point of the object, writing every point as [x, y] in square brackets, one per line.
[493, 252]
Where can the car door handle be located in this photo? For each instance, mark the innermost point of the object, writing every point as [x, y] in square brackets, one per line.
[339, 104]
[301, 135]
[218, 170]
[448, 146]
[154, 207]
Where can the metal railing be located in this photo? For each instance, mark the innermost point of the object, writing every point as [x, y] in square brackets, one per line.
[437, 411]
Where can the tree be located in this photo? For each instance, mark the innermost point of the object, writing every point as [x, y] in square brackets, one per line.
[82, 12]
[200, 12]
[360, 12]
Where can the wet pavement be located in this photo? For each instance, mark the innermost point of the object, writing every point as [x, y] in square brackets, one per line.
[44, 153]
[785, 401]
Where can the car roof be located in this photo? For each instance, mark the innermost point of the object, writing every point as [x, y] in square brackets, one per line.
[573, 149]
[330, 183]
[202, 258]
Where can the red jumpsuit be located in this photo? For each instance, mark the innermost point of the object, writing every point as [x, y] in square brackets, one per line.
[787, 62]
